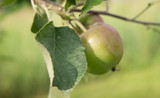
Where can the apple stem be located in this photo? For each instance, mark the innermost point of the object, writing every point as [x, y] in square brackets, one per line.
[74, 27]
[80, 25]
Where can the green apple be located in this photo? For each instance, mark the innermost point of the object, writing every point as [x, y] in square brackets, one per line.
[103, 48]
[89, 19]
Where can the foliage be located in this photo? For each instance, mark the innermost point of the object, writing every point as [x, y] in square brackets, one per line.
[66, 55]
[89, 4]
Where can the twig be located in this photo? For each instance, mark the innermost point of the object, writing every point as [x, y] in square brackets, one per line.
[118, 16]
[145, 9]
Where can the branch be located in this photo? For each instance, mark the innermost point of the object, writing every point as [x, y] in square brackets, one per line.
[119, 17]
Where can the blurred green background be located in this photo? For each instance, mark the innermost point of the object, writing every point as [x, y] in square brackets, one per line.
[23, 73]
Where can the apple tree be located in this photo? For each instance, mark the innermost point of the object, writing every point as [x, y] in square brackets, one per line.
[86, 44]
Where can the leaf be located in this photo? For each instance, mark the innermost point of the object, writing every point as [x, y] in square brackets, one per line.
[64, 53]
[54, 92]
[38, 22]
[69, 3]
[89, 4]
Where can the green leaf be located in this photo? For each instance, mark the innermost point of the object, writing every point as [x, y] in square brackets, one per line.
[69, 3]
[64, 53]
[38, 22]
[89, 4]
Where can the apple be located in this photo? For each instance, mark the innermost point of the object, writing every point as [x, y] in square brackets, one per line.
[89, 19]
[103, 48]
